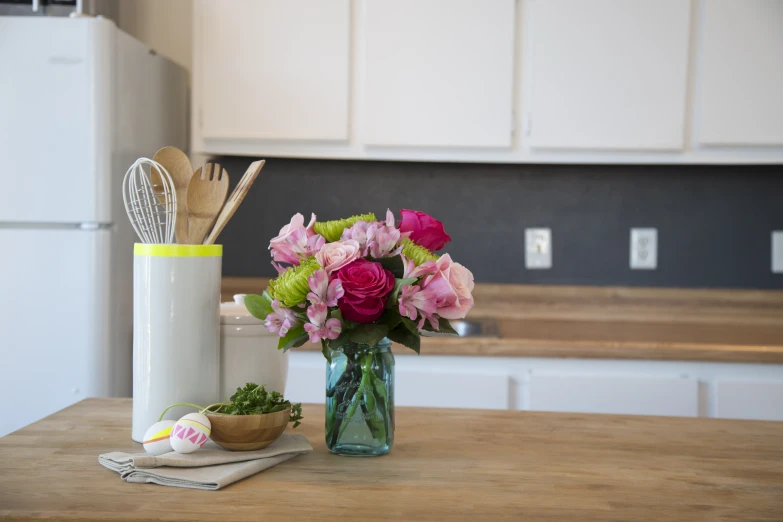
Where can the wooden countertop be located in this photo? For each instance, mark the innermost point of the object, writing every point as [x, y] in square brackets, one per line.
[445, 465]
[611, 323]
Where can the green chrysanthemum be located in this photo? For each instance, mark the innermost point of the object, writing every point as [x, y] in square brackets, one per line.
[291, 288]
[332, 230]
[418, 254]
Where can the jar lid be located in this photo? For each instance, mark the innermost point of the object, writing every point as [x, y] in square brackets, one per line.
[236, 312]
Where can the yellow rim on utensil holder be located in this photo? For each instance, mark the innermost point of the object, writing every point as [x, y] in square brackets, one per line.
[149, 250]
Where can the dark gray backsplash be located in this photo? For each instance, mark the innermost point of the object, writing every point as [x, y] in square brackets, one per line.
[714, 222]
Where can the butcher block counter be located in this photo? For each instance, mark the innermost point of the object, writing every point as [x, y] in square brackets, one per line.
[586, 322]
[446, 464]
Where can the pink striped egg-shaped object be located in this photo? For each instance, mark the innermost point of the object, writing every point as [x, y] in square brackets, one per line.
[190, 433]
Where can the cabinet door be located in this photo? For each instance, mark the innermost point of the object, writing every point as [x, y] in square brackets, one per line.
[305, 383]
[749, 400]
[273, 69]
[438, 73]
[611, 394]
[740, 87]
[608, 74]
[452, 389]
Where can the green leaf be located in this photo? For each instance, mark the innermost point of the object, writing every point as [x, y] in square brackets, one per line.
[299, 341]
[444, 327]
[370, 333]
[346, 324]
[343, 339]
[411, 326]
[392, 264]
[295, 337]
[391, 318]
[395, 293]
[326, 351]
[405, 337]
[259, 306]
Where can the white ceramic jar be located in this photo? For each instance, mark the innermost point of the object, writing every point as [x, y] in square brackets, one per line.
[248, 351]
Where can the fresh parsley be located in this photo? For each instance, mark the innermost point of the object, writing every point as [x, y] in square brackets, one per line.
[255, 400]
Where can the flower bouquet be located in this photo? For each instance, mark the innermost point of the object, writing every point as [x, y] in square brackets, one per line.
[353, 285]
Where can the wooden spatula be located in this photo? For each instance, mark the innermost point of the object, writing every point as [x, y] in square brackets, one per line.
[178, 166]
[235, 199]
[206, 194]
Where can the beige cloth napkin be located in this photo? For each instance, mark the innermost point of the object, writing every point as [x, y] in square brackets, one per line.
[209, 468]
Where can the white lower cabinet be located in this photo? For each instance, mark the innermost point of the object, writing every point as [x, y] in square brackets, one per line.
[670, 388]
[305, 383]
[749, 400]
[609, 394]
[452, 390]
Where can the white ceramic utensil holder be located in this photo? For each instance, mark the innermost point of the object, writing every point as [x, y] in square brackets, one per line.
[176, 330]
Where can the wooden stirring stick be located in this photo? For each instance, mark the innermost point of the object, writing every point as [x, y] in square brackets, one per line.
[235, 200]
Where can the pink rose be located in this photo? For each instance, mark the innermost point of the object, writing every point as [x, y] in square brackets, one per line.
[452, 285]
[334, 256]
[366, 287]
[424, 229]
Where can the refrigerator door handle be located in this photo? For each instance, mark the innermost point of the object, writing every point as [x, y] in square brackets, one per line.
[36, 4]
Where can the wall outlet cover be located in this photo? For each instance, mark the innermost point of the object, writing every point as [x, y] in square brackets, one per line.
[538, 248]
[644, 249]
[777, 252]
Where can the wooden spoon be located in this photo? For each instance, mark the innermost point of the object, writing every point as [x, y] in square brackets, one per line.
[206, 195]
[178, 165]
[235, 200]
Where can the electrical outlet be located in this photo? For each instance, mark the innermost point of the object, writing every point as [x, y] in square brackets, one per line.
[644, 248]
[538, 248]
[777, 252]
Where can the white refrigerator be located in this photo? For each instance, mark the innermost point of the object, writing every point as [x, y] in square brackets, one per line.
[79, 101]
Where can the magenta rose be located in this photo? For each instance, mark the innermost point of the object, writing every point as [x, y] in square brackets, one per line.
[424, 229]
[367, 286]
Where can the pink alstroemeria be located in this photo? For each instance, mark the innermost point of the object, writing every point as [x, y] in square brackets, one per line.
[280, 268]
[319, 326]
[390, 219]
[413, 300]
[358, 233]
[283, 253]
[305, 245]
[281, 320]
[378, 239]
[383, 240]
[323, 291]
[409, 268]
[293, 241]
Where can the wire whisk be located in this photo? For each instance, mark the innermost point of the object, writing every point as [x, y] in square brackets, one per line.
[150, 201]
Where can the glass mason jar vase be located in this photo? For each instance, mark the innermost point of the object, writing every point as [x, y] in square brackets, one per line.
[360, 399]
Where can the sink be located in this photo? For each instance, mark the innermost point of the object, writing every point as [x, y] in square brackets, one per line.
[470, 328]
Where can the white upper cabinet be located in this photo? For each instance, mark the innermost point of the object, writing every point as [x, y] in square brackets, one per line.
[271, 69]
[512, 81]
[438, 73]
[607, 74]
[740, 73]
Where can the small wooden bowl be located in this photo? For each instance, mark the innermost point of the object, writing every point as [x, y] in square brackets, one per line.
[247, 432]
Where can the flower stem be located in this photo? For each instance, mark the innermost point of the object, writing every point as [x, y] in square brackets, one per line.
[200, 408]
